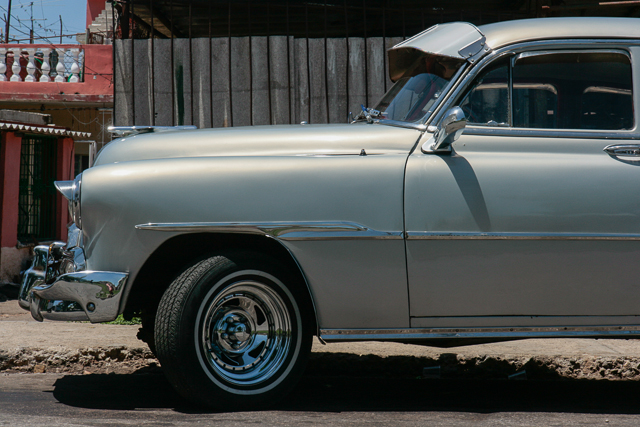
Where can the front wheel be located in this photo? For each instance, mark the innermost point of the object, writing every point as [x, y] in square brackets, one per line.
[233, 331]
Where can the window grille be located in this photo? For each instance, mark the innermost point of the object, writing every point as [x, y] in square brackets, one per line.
[37, 194]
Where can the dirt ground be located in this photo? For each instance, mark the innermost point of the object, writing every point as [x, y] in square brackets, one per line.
[84, 348]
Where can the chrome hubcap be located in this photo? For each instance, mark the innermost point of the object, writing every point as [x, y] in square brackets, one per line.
[246, 333]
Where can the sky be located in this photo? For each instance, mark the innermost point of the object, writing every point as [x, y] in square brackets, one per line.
[46, 15]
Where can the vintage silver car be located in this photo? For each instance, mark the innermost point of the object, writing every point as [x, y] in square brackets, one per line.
[492, 194]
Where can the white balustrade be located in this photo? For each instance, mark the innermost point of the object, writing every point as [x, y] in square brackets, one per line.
[38, 64]
[75, 69]
[31, 67]
[16, 67]
[3, 66]
[45, 67]
[60, 67]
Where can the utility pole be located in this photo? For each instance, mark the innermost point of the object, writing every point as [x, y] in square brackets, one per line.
[31, 32]
[8, 22]
[60, 27]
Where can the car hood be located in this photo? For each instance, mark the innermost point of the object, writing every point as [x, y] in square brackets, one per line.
[282, 140]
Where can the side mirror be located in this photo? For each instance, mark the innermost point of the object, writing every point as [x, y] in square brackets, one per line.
[449, 130]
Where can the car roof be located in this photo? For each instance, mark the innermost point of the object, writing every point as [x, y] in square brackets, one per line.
[504, 33]
[462, 41]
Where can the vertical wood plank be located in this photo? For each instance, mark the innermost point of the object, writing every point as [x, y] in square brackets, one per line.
[220, 82]
[279, 80]
[357, 76]
[142, 82]
[123, 102]
[241, 81]
[260, 79]
[182, 82]
[162, 76]
[201, 82]
[337, 79]
[375, 70]
[317, 81]
[301, 81]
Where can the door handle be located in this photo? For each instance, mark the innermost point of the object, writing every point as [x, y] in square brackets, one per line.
[623, 150]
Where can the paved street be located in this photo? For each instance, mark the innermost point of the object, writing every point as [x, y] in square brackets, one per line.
[147, 399]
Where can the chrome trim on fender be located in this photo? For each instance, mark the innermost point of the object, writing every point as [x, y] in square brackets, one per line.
[338, 230]
[332, 335]
[425, 235]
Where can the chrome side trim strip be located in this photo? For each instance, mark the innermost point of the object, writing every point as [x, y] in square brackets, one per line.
[334, 230]
[332, 335]
[443, 235]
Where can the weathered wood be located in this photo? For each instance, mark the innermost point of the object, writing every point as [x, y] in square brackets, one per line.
[317, 81]
[220, 83]
[301, 81]
[182, 81]
[375, 70]
[279, 84]
[201, 69]
[163, 101]
[142, 89]
[123, 102]
[337, 80]
[260, 81]
[241, 81]
[357, 75]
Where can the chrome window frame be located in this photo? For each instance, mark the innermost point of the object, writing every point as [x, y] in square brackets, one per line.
[619, 45]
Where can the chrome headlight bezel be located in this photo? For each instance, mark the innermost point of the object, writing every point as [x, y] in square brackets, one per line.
[71, 191]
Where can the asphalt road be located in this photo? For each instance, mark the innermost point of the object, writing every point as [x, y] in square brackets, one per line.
[146, 399]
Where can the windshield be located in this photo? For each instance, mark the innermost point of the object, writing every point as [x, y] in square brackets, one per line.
[412, 96]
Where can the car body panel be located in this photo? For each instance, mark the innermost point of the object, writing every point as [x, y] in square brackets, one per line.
[268, 141]
[524, 230]
[362, 189]
[507, 33]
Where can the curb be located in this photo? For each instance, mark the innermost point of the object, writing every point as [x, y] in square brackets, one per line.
[123, 360]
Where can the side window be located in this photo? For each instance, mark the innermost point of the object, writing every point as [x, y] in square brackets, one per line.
[554, 90]
[487, 102]
[572, 90]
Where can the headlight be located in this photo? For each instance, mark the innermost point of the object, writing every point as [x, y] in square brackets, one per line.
[71, 191]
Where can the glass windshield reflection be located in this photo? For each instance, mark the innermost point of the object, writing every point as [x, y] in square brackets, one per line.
[413, 95]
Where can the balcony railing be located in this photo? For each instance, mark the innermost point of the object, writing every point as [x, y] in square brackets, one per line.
[41, 63]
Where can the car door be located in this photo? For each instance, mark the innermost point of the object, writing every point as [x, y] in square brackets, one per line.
[528, 221]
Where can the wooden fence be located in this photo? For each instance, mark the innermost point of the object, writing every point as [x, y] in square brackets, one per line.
[239, 81]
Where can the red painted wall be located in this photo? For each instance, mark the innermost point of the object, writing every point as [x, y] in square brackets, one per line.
[97, 85]
[9, 188]
[64, 172]
[94, 7]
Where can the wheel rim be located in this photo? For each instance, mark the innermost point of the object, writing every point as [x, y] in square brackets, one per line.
[246, 333]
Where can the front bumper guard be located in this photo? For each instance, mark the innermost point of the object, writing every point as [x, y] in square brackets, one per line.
[72, 296]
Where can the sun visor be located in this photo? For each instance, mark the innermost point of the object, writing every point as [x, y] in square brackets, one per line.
[456, 40]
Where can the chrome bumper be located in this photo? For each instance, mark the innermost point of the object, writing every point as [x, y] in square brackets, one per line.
[54, 289]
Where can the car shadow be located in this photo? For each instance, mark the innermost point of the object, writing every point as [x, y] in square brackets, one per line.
[333, 383]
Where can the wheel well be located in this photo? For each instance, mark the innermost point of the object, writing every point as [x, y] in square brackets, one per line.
[180, 252]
